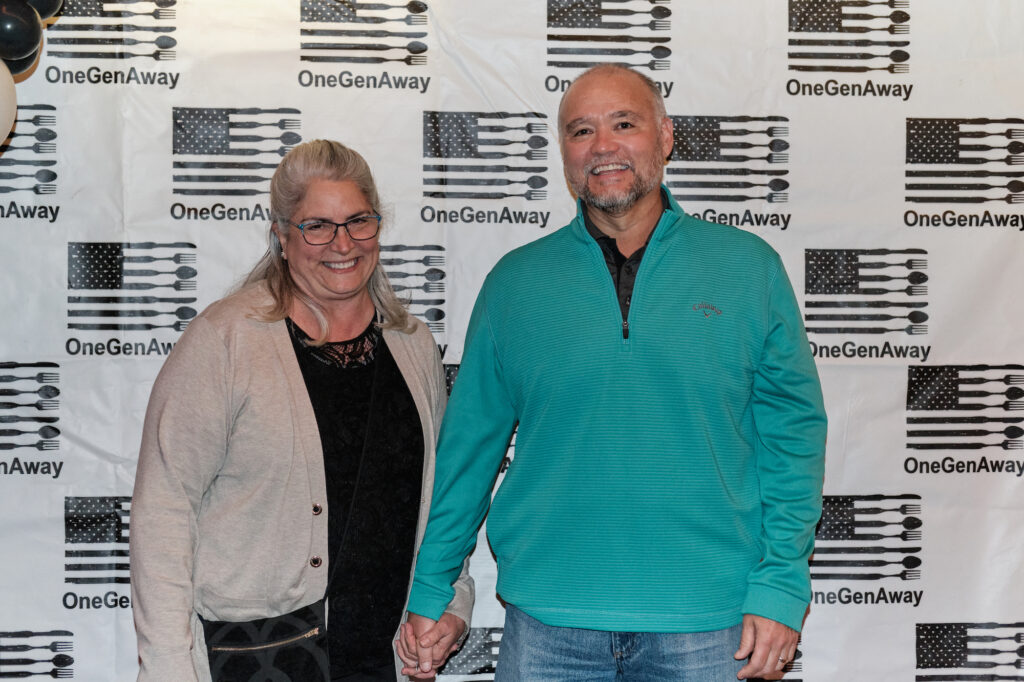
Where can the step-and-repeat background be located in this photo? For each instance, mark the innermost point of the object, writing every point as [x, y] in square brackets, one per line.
[878, 146]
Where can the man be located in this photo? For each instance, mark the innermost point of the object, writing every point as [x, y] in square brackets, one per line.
[656, 520]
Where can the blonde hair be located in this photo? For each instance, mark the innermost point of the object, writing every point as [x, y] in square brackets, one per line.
[309, 161]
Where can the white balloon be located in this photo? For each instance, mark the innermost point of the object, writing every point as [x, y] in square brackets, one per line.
[8, 101]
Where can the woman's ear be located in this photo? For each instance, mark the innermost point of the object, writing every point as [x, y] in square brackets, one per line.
[281, 240]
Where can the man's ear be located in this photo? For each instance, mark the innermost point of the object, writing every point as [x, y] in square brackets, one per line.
[667, 138]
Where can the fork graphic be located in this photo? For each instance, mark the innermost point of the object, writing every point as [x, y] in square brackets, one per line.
[39, 405]
[283, 124]
[411, 60]
[1005, 445]
[915, 290]
[411, 20]
[38, 147]
[653, 65]
[42, 446]
[892, 4]
[531, 155]
[906, 536]
[532, 128]
[1009, 198]
[426, 260]
[902, 509]
[162, 14]
[912, 330]
[1009, 379]
[53, 646]
[894, 29]
[530, 195]
[912, 264]
[892, 68]
[179, 258]
[430, 287]
[42, 120]
[771, 158]
[771, 197]
[38, 189]
[773, 131]
[159, 55]
[42, 378]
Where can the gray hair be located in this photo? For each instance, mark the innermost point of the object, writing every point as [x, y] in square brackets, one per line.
[309, 161]
[656, 99]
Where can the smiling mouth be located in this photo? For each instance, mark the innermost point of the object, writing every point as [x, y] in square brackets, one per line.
[339, 266]
[608, 168]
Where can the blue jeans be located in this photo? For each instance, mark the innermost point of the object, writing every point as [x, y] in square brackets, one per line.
[533, 652]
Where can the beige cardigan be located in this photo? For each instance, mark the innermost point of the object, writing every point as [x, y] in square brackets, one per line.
[230, 468]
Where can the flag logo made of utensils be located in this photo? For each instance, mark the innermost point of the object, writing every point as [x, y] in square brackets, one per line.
[24, 651]
[364, 32]
[230, 152]
[586, 33]
[865, 291]
[485, 155]
[417, 272]
[28, 155]
[965, 407]
[868, 537]
[729, 159]
[964, 650]
[131, 286]
[960, 161]
[107, 30]
[96, 540]
[29, 400]
[849, 36]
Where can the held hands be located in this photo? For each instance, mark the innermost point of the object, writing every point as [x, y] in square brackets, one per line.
[424, 645]
[769, 645]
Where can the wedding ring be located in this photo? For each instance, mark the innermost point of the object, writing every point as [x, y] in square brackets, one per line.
[781, 659]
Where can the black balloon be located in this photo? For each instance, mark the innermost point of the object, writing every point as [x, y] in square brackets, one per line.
[46, 8]
[16, 66]
[21, 29]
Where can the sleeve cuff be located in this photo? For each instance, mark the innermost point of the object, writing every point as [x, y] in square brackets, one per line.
[775, 604]
[424, 603]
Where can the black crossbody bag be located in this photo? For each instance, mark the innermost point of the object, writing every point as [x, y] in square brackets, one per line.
[287, 648]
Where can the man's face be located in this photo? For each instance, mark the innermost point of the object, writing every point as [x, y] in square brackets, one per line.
[613, 142]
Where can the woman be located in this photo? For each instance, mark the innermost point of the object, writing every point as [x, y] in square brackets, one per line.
[288, 455]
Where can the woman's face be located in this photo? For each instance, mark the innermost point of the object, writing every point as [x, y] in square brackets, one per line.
[335, 272]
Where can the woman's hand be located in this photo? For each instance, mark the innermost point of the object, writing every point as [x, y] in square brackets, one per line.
[424, 644]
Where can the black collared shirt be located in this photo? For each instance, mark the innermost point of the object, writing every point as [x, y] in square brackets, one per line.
[623, 270]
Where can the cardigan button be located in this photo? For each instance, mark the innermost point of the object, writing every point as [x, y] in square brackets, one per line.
[315, 562]
[317, 509]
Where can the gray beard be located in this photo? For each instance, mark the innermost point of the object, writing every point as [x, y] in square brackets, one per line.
[614, 205]
[619, 205]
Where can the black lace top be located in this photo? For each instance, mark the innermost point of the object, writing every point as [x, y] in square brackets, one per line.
[372, 508]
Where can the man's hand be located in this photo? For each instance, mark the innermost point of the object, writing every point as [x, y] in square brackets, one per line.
[424, 645]
[769, 645]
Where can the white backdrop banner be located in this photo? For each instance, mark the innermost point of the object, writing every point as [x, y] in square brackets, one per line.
[875, 145]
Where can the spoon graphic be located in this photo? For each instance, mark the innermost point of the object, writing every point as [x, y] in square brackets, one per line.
[43, 431]
[41, 175]
[434, 275]
[46, 391]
